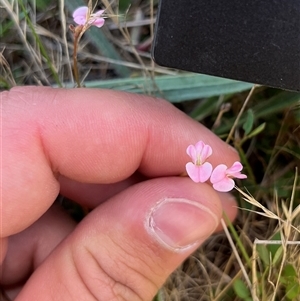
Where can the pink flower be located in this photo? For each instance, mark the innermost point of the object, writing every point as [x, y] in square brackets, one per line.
[81, 17]
[221, 177]
[199, 170]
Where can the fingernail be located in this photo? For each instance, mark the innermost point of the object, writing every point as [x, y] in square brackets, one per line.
[180, 223]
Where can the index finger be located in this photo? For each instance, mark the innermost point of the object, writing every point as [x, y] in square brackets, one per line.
[91, 136]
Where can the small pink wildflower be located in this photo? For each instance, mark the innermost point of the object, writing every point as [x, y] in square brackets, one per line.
[221, 177]
[81, 17]
[199, 170]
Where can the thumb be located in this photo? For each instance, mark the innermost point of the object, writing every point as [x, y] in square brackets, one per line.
[126, 248]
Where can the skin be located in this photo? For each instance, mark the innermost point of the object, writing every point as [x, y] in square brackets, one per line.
[120, 154]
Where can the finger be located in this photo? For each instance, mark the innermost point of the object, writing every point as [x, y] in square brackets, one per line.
[91, 195]
[28, 249]
[91, 136]
[3, 249]
[126, 248]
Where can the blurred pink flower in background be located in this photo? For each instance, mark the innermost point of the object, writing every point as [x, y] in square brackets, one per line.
[81, 17]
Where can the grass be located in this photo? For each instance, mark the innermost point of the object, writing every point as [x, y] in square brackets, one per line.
[257, 257]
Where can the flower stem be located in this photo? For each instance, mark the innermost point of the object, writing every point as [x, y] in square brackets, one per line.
[75, 64]
[78, 32]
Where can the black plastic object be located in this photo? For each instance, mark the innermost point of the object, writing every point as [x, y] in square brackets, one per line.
[254, 41]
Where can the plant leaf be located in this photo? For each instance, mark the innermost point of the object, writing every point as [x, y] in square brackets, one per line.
[271, 106]
[241, 289]
[248, 124]
[256, 131]
[175, 88]
[264, 254]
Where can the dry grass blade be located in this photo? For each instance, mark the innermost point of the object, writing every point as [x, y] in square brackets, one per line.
[7, 78]
[235, 251]
[240, 114]
[13, 11]
[64, 38]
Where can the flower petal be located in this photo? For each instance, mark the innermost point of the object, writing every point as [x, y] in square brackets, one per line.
[199, 152]
[206, 152]
[98, 13]
[81, 11]
[240, 176]
[80, 15]
[80, 20]
[236, 166]
[218, 174]
[191, 151]
[225, 185]
[199, 146]
[235, 171]
[99, 22]
[199, 173]
[193, 171]
[205, 172]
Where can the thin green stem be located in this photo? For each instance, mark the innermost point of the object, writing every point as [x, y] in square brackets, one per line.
[229, 137]
[237, 239]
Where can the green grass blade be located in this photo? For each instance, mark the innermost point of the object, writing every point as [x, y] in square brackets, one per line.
[208, 106]
[275, 104]
[174, 88]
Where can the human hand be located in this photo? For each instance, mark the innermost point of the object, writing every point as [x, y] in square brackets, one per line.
[120, 154]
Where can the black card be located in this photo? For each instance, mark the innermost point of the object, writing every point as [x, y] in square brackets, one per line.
[255, 41]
